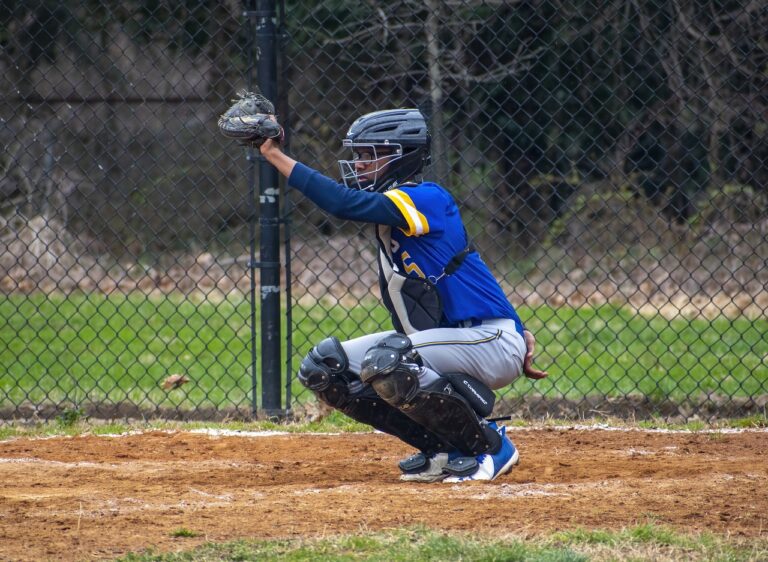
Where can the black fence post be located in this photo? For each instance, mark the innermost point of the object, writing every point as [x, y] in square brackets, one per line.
[263, 15]
[269, 219]
[249, 13]
[282, 113]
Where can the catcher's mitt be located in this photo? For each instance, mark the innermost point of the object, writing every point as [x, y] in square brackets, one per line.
[251, 120]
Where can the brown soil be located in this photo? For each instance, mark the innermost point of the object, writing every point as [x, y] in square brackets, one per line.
[99, 497]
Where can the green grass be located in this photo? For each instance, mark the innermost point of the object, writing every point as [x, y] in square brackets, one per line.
[642, 543]
[394, 546]
[184, 533]
[93, 348]
[335, 422]
[121, 348]
[617, 352]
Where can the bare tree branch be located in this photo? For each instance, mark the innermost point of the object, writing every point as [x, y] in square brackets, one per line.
[366, 31]
[720, 41]
[744, 13]
[515, 67]
[384, 21]
[431, 32]
[667, 56]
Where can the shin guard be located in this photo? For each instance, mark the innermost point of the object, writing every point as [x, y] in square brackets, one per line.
[444, 411]
[361, 403]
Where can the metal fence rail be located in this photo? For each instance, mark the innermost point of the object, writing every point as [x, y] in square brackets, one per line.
[610, 160]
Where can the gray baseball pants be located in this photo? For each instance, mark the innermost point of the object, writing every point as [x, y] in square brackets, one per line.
[492, 352]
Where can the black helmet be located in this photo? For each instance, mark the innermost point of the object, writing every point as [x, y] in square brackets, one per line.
[395, 138]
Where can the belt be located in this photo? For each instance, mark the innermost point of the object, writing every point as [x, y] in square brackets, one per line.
[474, 323]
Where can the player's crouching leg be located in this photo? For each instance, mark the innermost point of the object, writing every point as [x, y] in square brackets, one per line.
[325, 371]
[452, 407]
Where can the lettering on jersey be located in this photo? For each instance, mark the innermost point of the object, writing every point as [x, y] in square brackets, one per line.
[409, 267]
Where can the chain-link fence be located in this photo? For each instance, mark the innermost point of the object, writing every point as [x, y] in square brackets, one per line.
[610, 160]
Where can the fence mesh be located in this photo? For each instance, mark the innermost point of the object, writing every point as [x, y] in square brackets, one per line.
[609, 159]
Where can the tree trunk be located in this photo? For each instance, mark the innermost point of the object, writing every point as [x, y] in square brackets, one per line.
[439, 151]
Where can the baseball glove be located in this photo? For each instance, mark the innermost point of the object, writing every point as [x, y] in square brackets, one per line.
[251, 120]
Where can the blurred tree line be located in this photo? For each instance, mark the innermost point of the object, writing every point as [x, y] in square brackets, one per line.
[532, 100]
[114, 103]
[529, 100]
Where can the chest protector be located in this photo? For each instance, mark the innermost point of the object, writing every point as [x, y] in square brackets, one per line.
[413, 302]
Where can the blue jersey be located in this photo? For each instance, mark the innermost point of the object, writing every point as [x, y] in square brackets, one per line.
[434, 234]
[426, 232]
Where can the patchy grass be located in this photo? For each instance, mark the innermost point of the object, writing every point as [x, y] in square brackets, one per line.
[393, 546]
[184, 533]
[646, 542]
[335, 422]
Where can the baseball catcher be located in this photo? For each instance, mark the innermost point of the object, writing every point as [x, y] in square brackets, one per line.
[430, 381]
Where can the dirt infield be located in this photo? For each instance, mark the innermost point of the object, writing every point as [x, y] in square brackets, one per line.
[98, 497]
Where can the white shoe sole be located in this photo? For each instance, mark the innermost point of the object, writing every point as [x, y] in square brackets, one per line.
[422, 477]
[434, 473]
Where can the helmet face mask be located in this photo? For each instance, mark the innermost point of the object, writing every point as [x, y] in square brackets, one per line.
[389, 148]
[369, 164]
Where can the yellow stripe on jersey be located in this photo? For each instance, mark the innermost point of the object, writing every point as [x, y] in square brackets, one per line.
[417, 223]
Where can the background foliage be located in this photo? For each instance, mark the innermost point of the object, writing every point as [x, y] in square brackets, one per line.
[607, 154]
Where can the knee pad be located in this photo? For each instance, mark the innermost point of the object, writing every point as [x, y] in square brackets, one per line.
[325, 371]
[392, 368]
[323, 365]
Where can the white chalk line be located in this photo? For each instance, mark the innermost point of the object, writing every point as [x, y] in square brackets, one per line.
[576, 427]
[217, 432]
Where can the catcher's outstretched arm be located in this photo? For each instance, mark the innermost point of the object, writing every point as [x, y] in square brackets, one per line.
[279, 159]
[343, 202]
[339, 200]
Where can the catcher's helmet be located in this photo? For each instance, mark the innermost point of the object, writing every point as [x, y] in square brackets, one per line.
[395, 138]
